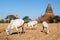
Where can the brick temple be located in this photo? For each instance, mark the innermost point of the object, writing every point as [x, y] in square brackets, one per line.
[48, 13]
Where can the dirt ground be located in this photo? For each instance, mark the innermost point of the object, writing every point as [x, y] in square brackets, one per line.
[31, 34]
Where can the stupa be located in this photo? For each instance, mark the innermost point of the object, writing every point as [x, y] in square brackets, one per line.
[48, 13]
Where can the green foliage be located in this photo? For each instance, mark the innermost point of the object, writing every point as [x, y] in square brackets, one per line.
[50, 20]
[54, 19]
[26, 19]
[10, 17]
[1, 21]
[57, 18]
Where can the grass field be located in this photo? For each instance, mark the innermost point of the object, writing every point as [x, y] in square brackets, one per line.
[30, 34]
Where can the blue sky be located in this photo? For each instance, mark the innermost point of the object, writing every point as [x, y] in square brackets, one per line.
[31, 8]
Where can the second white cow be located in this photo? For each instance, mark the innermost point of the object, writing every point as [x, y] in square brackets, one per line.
[31, 24]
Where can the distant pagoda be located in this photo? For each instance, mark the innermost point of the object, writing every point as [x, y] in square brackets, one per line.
[48, 13]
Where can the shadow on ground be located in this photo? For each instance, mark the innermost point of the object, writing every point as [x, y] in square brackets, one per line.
[17, 33]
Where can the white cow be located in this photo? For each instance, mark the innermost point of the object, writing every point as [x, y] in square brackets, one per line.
[14, 24]
[31, 24]
[45, 25]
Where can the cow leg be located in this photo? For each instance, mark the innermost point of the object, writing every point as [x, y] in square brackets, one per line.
[43, 29]
[47, 29]
[17, 30]
[22, 29]
[35, 26]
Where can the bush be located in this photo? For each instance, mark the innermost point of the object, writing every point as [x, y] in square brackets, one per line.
[55, 19]
[26, 19]
[1, 21]
[50, 20]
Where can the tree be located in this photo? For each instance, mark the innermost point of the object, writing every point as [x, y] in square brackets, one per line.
[2, 21]
[55, 19]
[26, 19]
[10, 17]
[50, 20]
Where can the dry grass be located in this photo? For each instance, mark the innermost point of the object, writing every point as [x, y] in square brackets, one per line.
[34, 34]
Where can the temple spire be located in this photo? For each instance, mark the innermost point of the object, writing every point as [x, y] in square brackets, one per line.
[49, 9]
[48, 13]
